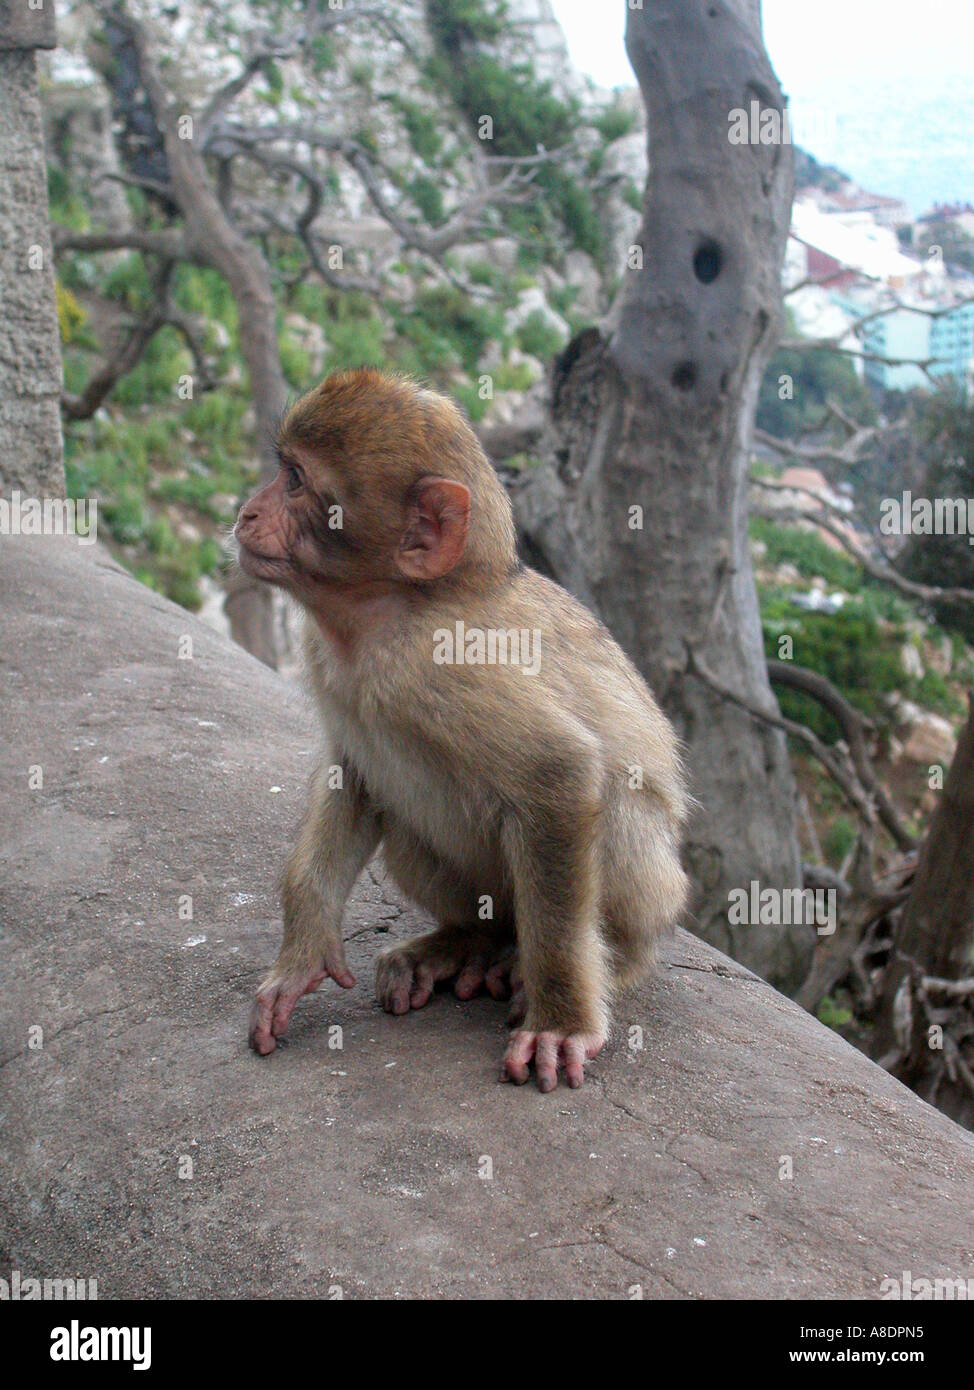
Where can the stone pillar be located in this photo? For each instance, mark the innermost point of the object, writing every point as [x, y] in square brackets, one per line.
[31, 447]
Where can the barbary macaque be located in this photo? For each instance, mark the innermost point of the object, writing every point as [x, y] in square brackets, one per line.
[532, 807]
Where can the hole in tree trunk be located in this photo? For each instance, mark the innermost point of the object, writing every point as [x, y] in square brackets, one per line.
[684, 376]
[707, 262]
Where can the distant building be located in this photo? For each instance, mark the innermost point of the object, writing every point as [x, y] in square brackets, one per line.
[960, 214]
[840, 251]
[855, 265]
[886, 212]
[944, 341]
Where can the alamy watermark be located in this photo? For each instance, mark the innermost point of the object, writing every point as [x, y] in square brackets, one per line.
[77, 1343]
[26, 1289]
[925, 516]
[914, 1289]
[477, 646]
[49, 516]
[755, 906]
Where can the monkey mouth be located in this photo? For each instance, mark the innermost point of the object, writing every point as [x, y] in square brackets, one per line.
[253, 562]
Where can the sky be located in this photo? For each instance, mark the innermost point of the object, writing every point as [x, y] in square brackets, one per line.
[882, 88]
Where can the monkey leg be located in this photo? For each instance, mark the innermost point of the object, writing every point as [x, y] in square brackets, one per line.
[476, 955]
[555, 871]
[644, 884]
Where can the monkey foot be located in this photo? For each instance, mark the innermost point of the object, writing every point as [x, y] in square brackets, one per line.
[549, 1051]
[274, 1005]
[406, 975]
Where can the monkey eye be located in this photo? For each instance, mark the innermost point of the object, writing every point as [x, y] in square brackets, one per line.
[294, 480]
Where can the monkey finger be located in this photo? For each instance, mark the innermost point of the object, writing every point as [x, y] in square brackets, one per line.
[336, 967]
[284, 1008]
[261, 1038]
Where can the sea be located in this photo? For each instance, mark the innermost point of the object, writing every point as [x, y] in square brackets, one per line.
[914, 142]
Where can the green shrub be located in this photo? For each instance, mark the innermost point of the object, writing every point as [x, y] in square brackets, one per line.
[467, 393]
[538, 338]
[833, 1014]
[614, 122]
[858, 649]
[428, 197]
[808, 552]
[447, 315]
[455, 24]
[323, 55]
[156, 376]
[838, 839]
[421, 127]
[70, 316]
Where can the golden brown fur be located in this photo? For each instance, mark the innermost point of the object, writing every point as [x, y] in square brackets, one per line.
[557, 795]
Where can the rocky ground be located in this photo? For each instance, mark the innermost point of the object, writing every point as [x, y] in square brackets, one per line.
[725, 1144]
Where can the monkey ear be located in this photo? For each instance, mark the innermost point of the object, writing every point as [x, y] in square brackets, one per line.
[437, 521]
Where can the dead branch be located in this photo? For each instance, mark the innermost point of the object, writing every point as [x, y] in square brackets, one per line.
[879, 569]
[854, 727]
[847, 456]
[170, 245]
[843, 775]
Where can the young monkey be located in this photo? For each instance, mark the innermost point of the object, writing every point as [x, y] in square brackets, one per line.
[544, 794]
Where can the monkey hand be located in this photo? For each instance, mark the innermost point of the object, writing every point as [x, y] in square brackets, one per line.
[282, 989]
[550, 1050]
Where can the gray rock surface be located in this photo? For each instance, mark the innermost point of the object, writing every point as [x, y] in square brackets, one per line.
[360, 1168]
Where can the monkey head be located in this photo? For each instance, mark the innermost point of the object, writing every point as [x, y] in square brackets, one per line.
[381, 484]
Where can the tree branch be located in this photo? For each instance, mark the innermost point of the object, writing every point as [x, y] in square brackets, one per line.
[843, 777]
[854, 727]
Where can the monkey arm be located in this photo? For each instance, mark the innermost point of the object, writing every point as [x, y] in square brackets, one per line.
[338, 836]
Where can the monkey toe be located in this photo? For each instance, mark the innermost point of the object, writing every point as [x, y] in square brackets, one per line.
[401, 982]
[548, 1051]
[503, 979]
[407, 975]
[518, 1008]
[471, 977]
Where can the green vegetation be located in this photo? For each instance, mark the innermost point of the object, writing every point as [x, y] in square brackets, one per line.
[797, 385]
[859, 649]
[427, 194]
[525, 114]
[838, 838]
[615, 121]
[833, 1014]
[538, 337]
[808, 552]
[421, 127]
[956, 247]
[449, 325]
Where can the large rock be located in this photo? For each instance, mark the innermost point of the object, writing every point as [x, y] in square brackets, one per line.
[398, 1164]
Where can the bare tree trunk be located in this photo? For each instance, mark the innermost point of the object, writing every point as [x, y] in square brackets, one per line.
[212, 238]
[936, 931]
[31, 456]
[654, 410]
